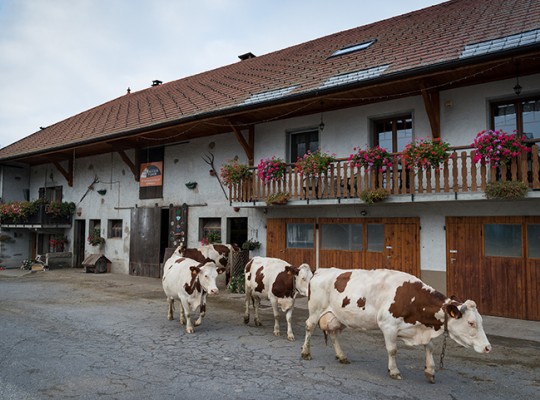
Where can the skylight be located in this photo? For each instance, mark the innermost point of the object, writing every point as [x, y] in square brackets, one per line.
[353, 48]
[356, 76]
[500, 44]
[270, 95]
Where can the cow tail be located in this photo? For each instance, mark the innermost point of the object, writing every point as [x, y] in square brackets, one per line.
[325, 338]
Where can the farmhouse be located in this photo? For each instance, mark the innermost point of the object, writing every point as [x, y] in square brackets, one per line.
[137, 175]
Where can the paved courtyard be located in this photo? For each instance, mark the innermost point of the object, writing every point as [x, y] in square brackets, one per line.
[67, 334]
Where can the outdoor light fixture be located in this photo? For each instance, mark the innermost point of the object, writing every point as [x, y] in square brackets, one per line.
[517, 87]
[321, 125]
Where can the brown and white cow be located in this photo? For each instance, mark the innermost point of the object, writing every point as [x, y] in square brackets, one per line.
[401, 305]
[189, 281]
[221, 254]
[277, 281]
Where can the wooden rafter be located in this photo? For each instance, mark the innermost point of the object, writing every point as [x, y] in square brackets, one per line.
[133, 166]
[68, 174]
[247, 145]
[432, 104]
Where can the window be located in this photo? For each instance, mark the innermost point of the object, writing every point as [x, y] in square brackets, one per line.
[52, 193]
[522, 115]
[502, 240]
[94, 224]
[114, 228]
[341, 237]
[300, 236]
[375, 237]
[151, 174]
[353, 48]
[210, 230]
[533, 240]
[301, 142]
[393, 133]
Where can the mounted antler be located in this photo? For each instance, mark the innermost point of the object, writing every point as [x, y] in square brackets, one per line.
[209, 159]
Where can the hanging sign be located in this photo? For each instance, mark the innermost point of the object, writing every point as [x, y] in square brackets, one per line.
[151, 174]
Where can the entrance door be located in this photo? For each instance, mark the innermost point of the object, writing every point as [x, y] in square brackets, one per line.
[402, 245]
[78, 242]
[145, 241]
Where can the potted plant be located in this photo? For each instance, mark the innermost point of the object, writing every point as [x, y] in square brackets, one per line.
[497, 147]
[373, 195]
[251, 245]
[234, 172]
[57, 243]
[426, 153]
[313, 164]
[18, 211]
[57, 209]
[271, 169]
[278, 198]
[506, 190]
[375, 158]
[94, 238]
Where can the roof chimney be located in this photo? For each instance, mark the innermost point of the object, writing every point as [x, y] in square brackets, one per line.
[156, 82]
[246, 56]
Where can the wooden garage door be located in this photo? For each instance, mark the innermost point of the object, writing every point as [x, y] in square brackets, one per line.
[348, 243]
[144, 243]
[495, 262]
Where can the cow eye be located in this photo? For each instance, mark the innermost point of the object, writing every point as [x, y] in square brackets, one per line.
[471, 324]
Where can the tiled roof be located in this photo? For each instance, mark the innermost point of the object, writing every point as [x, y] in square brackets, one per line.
[440, 34]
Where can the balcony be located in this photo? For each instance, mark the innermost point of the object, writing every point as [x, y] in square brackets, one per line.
[458, 178]
[38, 219]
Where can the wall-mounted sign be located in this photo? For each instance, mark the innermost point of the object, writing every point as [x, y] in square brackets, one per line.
[151, 174]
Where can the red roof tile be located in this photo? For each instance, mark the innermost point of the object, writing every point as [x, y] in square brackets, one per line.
[427, 37]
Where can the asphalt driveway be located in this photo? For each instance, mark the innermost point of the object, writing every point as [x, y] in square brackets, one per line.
[67, 334]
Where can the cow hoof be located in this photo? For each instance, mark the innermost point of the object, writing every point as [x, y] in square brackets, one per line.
[246, 320]
[197, 323]
[290, 338]
[343, 360]
[430, 377]
[189, 330]
[276, 333]
[169, 317]
[396, 376]
[306, 356]
[182, 321]
[258, 323]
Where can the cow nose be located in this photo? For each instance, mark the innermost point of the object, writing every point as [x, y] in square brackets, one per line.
[214, 291]
[487, 349]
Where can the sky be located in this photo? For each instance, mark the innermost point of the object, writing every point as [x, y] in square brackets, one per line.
[59, 58]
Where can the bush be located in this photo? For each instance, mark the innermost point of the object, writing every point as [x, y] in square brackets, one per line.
[236, 284]
[507, 190]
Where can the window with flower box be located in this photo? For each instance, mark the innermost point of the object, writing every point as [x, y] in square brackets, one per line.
[300, 142]
[114, 228]
[393, 133]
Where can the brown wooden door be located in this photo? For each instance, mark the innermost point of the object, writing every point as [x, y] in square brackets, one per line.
[276, 242]
[145, 241]
[497, 284]
[532, 281]
[401, 246]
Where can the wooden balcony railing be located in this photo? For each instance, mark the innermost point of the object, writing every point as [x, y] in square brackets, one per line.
[342, 180]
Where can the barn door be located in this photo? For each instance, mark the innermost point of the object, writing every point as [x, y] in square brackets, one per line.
[401, 246]
[145, 240]
[292, 239]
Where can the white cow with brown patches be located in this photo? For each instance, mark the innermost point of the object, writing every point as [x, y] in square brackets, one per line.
[189, 281]
[400, 304]
[221, 254]
[277, 281]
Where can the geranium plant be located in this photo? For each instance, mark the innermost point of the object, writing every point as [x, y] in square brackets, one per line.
[95, 238]
[375, 158]
[234, 172]
[497, 147]
[271, 169]
[314, 163]
[18, 211]
[60, 209]
[426, 153]
[58, 242]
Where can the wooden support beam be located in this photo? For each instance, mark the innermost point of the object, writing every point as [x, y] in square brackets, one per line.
[433, 109]
[133, 166]
[67, 174]
[248, 147]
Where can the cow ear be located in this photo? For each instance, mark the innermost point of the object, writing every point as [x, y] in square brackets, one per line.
[455, 298]
[220, 270]
[195, 270]
[292, 270]
[453, 311]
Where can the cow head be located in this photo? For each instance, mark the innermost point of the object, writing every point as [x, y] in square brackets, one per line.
[465, 326]
[207, 274]
[303, 277]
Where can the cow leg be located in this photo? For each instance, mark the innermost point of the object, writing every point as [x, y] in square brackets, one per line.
[390, 339]
[248, 299]
[288, 316]
[256, 304]
[187, 313]
[429, 370]
[311, 324]
[273, 301]
[202, 309]
[340, 355]
[170, 302]
[182, 318]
